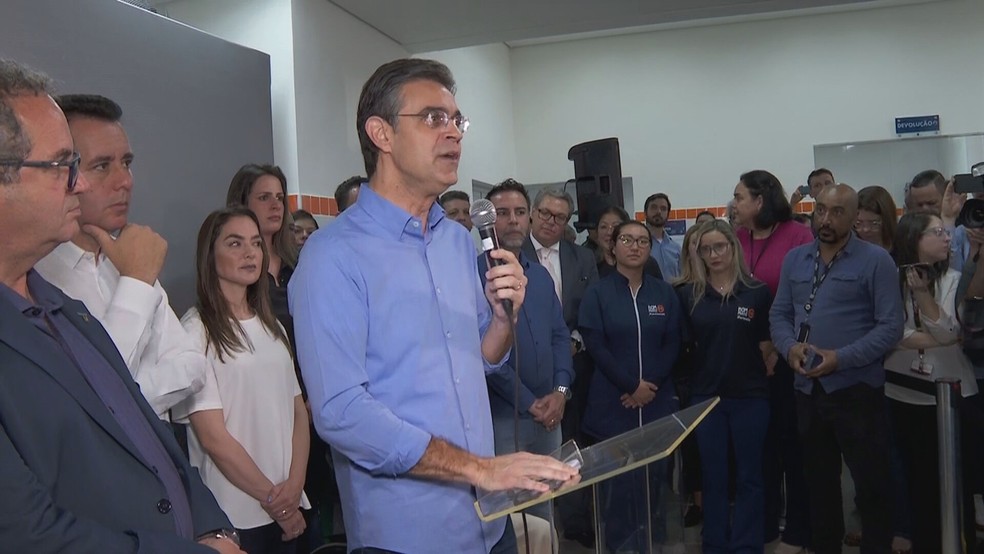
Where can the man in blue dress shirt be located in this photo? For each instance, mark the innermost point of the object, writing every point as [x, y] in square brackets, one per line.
[395, 334]
[837, 313]
[665, 250]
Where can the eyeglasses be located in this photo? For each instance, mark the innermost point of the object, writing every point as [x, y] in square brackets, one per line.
[72, 164]
[439, 119]
[719, 249]
[938, 232]
[873, 224]
[546, 215]
[627, 240]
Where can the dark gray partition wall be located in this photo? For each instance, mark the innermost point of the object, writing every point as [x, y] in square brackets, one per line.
[195, 107]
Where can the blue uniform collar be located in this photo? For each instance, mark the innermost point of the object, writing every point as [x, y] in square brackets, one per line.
[392, 219]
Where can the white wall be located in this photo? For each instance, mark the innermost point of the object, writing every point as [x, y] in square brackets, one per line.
[484, 95]
[694, 108]
[263, 25]
[334, 54]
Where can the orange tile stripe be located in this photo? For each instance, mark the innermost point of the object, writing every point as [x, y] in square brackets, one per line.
[317, 205]
[720, 211]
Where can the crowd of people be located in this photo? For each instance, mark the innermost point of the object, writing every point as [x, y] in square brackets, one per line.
[396, 372]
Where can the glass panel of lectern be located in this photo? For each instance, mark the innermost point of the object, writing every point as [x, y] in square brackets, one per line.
[613, 459]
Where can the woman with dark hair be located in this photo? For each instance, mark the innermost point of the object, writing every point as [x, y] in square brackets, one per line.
[630, 322]
[732, 355]
[263, 189]
[612, 217]
[304, 225]
[929, 350]
[767, 234]
[876, 221]
[249, 426]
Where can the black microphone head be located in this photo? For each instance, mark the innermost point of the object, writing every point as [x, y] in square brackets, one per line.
[482, 213]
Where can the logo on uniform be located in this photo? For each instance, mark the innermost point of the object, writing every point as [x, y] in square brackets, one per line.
[746, 314]
[657, 309]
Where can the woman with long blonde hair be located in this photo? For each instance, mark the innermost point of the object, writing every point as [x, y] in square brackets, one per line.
[728, 326]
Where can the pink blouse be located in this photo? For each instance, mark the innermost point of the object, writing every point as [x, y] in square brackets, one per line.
[763, 257]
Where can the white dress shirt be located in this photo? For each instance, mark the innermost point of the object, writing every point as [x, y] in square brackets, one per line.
[163, 359]
[549, 257]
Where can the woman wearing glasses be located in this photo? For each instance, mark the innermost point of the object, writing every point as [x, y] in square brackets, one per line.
[929, 350]
[249, 426]
[876, 221]
[611, 218]
[732, 354]
[768, 232]
[630, 322]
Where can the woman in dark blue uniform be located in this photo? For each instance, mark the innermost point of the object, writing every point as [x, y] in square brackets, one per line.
[727, 316]
[631, 324]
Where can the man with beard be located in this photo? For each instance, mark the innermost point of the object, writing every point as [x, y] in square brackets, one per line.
[665, 250]
[542, 349]
[836, 314]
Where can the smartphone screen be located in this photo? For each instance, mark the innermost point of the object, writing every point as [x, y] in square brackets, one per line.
[967, 183]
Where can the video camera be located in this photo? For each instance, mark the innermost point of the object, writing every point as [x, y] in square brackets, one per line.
[972, 214]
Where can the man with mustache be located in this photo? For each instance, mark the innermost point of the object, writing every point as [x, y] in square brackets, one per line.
[117, 278]
[837, 313]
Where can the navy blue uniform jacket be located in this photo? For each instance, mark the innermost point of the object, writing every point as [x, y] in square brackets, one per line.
[627, 348]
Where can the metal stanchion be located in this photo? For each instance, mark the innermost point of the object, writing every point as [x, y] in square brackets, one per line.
[951, 501]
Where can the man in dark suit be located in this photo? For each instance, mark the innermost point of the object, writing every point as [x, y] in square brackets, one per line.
[542, 356]
[85, 464]
[572, 269]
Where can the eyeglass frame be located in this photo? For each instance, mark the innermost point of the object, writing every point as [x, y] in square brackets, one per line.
[642, 242]
[550, 215]
[461, 123]
[707, 250]
[874, 224]
[939, 232]
[72, 164]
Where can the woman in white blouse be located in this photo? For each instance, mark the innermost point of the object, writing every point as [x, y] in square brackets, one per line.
[249, 428]
[928, 351]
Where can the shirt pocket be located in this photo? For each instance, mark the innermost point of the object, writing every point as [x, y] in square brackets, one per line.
[843, 286]
[801, 283]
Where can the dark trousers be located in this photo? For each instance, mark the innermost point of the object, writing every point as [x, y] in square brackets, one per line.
[266, 540]
[742, 422]
[852, 423]
[506, 545]
[917, 438]
[782, 464]
[574, 509]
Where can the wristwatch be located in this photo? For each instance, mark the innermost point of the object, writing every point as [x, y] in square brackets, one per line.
[566, 391]
[228, 534]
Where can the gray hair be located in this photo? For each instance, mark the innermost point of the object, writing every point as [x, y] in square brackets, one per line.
[16, 79]
[554, 193]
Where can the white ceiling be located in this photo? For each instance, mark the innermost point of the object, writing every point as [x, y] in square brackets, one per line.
[429, 25]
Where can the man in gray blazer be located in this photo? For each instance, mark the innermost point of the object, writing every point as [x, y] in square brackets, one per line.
[85, 464]
[573, 269]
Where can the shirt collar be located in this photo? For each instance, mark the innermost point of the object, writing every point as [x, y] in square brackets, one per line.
[395, 221]
[850, 247]
[44, 293]
[72, 255]
[537, 246]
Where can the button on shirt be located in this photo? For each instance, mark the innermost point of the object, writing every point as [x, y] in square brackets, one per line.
[857, 312]
[388, 320]
[109, 386]
[162, 358]
[666, 252]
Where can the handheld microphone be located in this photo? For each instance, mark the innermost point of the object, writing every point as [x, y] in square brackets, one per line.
[483, 218]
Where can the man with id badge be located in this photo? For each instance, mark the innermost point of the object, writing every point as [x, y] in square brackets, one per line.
[836, 315]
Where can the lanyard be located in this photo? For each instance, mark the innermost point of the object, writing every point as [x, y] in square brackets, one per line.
[920, 366]
[752, 260]
[819, 279]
